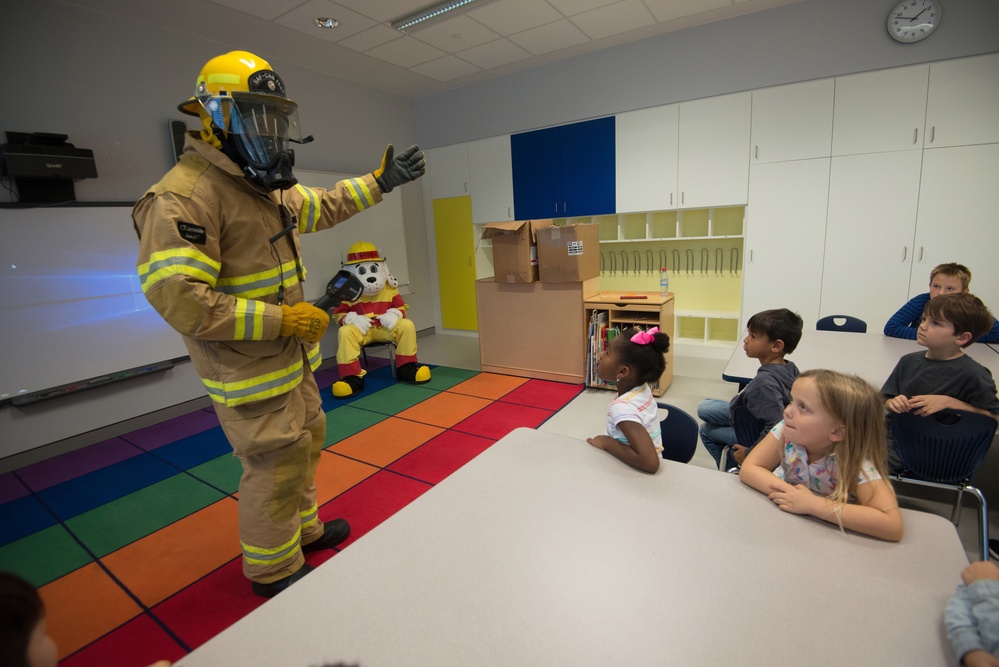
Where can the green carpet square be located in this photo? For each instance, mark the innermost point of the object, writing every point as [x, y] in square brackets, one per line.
[443, 377]
[344, 422]
[394, 399]
[112, 526]
[222, 472]
[44, 556]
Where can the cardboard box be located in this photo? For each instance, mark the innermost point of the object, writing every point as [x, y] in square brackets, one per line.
[515, 249]
[569, 254]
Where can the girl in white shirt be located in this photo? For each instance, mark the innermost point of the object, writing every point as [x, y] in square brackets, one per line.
[632, 360]
[831, 454]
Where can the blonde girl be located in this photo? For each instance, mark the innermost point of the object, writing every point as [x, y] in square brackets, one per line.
[632, 361]
[831, 454]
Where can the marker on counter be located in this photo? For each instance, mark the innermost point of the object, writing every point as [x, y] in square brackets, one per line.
[634, 296]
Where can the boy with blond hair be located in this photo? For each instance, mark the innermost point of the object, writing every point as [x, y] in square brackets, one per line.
[943, 376]
[950, 278]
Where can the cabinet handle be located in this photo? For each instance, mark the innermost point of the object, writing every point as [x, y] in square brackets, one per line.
[751, 255]
[466, 186]
[915, 135]
[683, 198]
[509, 212]
[565, 209]
[920, 253]
[933, 133]
[905, 251]
[671, 199]
[757, 155]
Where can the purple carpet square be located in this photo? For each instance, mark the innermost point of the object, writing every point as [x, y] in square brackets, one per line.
[11, 488]
[74, 464]
[173, 430]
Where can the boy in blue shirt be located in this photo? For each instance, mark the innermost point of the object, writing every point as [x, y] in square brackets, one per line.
[948, 278]
[771, 335]
[943, 376]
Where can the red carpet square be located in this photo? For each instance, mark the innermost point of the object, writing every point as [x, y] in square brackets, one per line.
[543, 394]
[139, 642]
[374, 500]
[500, 418]
[441, 456]
[209, 605]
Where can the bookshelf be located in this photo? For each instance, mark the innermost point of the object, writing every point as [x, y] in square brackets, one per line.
[607, 310]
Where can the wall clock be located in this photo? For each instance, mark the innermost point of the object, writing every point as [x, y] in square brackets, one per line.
[912, 20]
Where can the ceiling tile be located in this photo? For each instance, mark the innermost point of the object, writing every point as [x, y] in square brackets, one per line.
[370, 38]
[303, 18]
[549, 37]
[456, 34]
[494, 54]
[406, 52]
[509, 16]
[265, 9]
[670, 10]
[384, 11]
[573, 7]
[445, 69]
[614, 19]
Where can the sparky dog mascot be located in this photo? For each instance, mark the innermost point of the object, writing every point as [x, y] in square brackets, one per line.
[378, 316]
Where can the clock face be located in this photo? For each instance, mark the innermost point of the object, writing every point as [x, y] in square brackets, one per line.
[912, 20]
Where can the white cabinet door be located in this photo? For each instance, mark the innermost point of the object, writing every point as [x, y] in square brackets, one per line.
[963, 103]
[714, 151]
[785, 230]
[645, 144]
[880, 111]
[792, 122]
[869, 235]
[490, 177]
[957, 220]
[447, 167]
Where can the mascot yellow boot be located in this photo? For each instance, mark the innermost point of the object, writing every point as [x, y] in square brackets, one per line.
[379, 315]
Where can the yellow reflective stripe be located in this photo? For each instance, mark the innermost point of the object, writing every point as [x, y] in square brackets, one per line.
[360, 193]
[220, 77]
[255, 388]
[256, 285]
[178, 261]
[309, 215]
[263, 556]
[315, 358]
[249, 320]
[309, 516]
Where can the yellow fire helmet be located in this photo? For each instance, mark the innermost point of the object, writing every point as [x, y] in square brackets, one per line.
[363, 252]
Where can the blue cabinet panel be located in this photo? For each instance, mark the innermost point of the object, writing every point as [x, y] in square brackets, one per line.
[564, 171]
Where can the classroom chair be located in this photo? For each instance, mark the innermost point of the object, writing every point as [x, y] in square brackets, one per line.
[747, 432]
[943, 450]
[391, 354]
[679, 433]
[841, 323]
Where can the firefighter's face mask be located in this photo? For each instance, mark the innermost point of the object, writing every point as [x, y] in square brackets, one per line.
[257, 130]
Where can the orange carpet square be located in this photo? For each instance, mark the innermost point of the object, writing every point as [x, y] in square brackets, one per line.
[336, 474]
[160, 564]
[488, 385]
[445, 409]
[386, 441]
[84, 605]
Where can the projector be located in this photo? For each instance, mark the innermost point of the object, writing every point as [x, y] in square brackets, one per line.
[44, 166]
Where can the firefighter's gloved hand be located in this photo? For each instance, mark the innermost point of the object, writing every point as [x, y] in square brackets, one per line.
[304, 320]
[407, 166]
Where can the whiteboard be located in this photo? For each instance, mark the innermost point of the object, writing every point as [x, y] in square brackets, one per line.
[324, 252]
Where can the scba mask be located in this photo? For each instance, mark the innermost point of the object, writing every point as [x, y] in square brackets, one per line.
[256, 133]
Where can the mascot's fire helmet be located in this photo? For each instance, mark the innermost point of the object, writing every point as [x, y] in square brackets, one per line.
[242, 104]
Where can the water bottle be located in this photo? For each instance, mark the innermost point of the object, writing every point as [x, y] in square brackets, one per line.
[663, 282]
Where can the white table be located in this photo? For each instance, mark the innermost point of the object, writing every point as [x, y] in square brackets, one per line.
[872, 356]
[546, 551]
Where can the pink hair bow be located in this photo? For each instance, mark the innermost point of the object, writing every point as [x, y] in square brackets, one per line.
[645, 337]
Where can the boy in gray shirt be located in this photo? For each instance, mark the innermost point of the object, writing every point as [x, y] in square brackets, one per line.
[943, 376]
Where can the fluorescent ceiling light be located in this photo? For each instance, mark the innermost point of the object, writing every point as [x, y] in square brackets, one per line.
[435, 13]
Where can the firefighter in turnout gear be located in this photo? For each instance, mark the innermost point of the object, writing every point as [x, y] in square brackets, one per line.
[220, 261]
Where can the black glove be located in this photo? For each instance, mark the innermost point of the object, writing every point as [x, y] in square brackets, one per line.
[407, 166]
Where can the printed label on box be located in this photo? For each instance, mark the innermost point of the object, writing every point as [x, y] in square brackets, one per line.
[575, 248]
